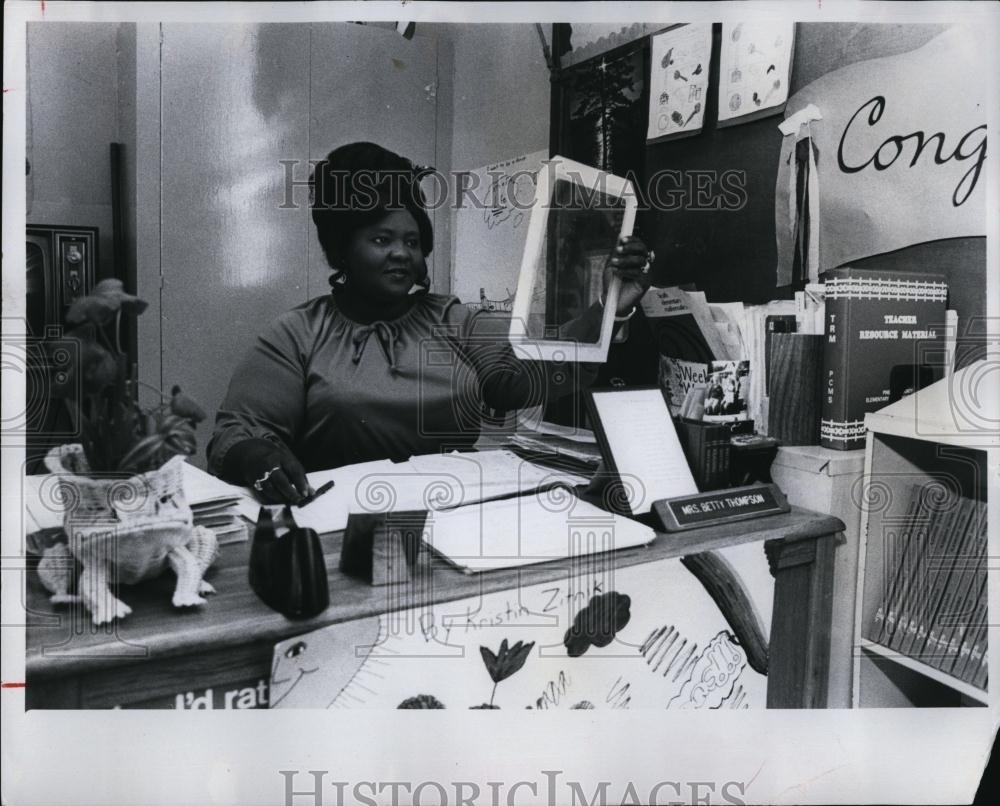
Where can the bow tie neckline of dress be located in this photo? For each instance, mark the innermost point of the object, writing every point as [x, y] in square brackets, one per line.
[386, 334]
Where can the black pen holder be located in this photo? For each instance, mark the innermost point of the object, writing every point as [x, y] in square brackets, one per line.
[288, 572]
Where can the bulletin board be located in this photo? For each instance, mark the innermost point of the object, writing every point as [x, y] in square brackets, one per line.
[730, 254]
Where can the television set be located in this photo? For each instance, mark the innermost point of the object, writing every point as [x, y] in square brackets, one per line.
[61, 263]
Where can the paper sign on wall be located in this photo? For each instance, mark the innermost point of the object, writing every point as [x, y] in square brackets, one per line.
[678, 81]
[900, 149]
[490, 229]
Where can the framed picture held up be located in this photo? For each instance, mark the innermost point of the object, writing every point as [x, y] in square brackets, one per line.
[561, 311]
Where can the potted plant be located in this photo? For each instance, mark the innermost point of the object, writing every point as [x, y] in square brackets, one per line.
[126, 516]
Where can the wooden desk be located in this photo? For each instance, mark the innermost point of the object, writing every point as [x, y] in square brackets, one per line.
[161, 657]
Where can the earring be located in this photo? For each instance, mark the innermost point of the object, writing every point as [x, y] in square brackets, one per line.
[421, 286]
[338, 279]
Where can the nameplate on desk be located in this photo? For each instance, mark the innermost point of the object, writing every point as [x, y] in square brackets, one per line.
[720, 506]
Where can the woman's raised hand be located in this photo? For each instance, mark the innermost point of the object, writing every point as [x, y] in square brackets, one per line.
[631, 261]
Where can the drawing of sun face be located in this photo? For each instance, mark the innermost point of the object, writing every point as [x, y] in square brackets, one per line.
[301, 673]
[596, 642]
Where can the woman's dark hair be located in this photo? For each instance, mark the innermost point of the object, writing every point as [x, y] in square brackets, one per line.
[357, 185]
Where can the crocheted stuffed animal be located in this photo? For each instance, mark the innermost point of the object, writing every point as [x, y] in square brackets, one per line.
[128, 554]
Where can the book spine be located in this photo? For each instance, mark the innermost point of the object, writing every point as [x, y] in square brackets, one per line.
[895, 543]
[717, 462]
[698, 451]
[966, 639]
[931, 575]
[835, 367]
[913, 585]
[958, 643]
[981, 674]
[966, 670]
[957, 605]
[945, 568]
[960, 663]
[874, 323]
[973, 610]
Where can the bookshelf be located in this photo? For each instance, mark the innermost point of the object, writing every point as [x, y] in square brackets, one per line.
[922, 567]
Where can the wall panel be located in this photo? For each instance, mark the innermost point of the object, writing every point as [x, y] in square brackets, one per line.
[234, 103]
[369, 83]
[72, 111]
[236, 243]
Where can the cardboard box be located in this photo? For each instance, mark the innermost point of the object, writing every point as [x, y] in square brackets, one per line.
[829, 481]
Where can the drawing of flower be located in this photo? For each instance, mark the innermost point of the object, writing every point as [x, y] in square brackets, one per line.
[504, 663]
[598, 622]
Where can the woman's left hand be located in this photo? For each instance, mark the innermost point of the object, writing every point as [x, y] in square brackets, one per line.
[632, 262]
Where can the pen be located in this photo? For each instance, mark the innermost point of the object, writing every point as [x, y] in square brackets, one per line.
[310, 498]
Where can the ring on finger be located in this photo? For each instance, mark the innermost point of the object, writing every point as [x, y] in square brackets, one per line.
[258, 485]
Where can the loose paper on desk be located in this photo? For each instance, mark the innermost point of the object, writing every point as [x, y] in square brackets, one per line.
[43, 502]
[204, 489]
[678, 80]
[644, 445]
[531, 419]
[428, 482]
[552, 525]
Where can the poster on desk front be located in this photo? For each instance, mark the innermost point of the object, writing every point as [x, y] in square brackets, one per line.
[648, 636]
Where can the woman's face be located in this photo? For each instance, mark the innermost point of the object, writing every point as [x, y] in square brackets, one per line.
[384, 259]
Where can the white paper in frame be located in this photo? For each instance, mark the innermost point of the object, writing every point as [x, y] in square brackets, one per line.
[640, 444]
[585, 240]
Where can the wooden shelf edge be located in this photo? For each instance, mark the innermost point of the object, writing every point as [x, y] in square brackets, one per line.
[920, 667]
[930, 431]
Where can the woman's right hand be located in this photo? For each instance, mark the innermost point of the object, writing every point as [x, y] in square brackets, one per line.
[270, 469]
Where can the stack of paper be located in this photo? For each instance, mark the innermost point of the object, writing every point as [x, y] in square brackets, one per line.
[557, 452]
[42, 508]
[216, 504]
[753, 330]
[714, 325]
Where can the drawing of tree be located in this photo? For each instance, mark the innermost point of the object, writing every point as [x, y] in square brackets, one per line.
[605, 93]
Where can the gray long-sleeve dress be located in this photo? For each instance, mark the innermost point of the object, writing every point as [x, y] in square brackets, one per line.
[337, 392]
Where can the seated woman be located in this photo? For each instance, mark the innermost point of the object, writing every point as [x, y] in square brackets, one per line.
[379, 368]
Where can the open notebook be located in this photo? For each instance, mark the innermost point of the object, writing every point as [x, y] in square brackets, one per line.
[529, 529]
